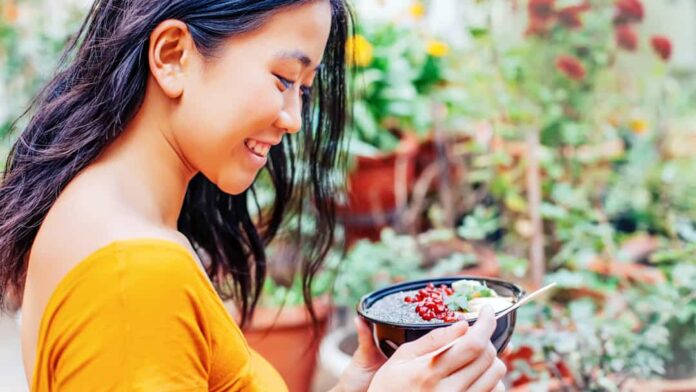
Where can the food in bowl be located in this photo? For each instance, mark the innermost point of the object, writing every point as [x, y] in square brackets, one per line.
[395, 321]
[463, 299]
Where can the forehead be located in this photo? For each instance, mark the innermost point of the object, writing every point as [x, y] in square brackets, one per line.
[296, 33]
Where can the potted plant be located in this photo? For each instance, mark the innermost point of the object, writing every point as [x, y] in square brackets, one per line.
[579, 348]
[397, 68]
[281, 329]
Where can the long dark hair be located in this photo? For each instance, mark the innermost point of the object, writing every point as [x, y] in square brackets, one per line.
[99, 88]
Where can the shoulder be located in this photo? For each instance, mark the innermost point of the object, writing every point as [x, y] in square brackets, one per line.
[86, 220]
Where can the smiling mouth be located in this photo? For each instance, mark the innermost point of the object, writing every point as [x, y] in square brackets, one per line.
[257, 148]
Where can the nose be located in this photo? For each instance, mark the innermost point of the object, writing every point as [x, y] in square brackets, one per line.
[290, 116]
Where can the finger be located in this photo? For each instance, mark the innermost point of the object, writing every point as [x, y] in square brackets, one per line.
[465, 374]
[500, 387]
[433, 340]
[475, 341]
[484, 327]
[490, 378]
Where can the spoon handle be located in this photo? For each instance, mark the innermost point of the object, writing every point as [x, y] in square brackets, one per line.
[524, 300]
[517, 304]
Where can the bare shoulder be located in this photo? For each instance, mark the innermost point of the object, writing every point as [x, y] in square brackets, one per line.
[86, 217]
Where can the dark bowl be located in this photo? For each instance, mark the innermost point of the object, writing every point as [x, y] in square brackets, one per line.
[389, 336]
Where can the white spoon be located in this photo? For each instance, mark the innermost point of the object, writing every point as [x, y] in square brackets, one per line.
[502, 313]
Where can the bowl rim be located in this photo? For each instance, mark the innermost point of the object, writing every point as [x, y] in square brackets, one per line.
[519, 292]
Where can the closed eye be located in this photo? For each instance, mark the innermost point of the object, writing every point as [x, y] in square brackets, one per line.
[304, 90]
[285, 82]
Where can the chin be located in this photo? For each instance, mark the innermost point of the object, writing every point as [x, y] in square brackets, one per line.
[236, 186]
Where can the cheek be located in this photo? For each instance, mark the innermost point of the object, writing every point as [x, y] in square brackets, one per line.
[213, 119]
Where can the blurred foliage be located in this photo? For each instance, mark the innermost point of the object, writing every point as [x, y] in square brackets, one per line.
[398, 69]
[369, 266]
[616, 140]
[33, 34]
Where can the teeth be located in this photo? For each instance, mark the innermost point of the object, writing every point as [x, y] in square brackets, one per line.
[257, 147]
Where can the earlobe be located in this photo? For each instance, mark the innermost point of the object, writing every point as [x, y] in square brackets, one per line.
[168, 56]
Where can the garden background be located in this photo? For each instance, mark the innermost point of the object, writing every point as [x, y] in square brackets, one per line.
[530, 140]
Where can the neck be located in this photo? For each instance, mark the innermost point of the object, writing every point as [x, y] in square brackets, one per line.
[148, 168]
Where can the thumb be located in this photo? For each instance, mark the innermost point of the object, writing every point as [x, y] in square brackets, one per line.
[434, 339]
[367, 356]
[365, 341]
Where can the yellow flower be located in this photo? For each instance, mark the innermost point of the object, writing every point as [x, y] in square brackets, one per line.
[639, 126]
[417, 10]
[437, 48]
[359, 51]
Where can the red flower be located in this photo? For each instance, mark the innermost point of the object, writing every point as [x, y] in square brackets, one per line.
[662, 46]
[628, 11]
[538, 27]
[571, 67]
[540, 9]
[570, 16]
[626, 37]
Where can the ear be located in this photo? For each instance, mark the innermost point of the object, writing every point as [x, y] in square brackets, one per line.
[169, 54]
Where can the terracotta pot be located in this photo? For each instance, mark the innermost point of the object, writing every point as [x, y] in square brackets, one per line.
[285, 338]
[372, 199]
[428, 155]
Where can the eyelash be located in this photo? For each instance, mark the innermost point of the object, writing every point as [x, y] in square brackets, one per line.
[305, 91]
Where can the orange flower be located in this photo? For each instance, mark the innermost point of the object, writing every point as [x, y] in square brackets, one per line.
[571, 67]
[662, 46]
[639, 126]
[9, 12]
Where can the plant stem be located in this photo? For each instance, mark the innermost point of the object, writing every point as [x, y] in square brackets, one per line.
[536, 248]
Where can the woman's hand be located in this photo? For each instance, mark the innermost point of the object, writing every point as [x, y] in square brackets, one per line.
[470, 365]
[367, 359]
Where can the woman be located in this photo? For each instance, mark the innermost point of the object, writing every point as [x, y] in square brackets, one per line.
[138, 161]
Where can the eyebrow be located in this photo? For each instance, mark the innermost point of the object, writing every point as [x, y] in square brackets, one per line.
[297, 55]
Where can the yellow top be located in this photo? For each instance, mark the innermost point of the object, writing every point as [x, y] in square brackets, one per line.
[140, 315]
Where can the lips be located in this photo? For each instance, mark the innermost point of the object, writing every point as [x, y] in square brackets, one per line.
[257, 148]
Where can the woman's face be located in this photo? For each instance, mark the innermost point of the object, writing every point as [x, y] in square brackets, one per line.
[239, 103]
